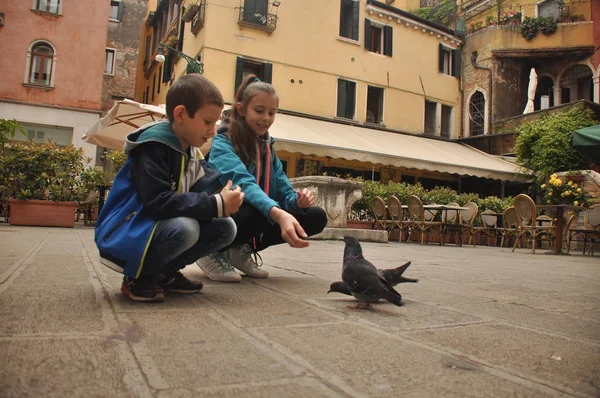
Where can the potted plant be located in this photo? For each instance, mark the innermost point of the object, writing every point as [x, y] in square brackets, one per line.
[557, 191]
[42, 182]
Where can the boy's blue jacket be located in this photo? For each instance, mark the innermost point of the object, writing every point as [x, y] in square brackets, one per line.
[153, 185]
[281, 194]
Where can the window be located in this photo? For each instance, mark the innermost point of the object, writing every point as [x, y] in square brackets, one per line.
[245, 67]
[374, 105]
[40, 133]
[116, 10]
[449, 61]
[349, 19]
[378, 39]
[41, 64]
[438, 119]
[255, 11]
[153, 87]
[477, 114]
[550, 8]
[430, 117]
[346, 99]
[159, 75]
[51, 6]
[109, 61]
[446, 121]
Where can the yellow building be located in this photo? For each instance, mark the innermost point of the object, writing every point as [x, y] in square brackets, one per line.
[506, 39]
[361, 83]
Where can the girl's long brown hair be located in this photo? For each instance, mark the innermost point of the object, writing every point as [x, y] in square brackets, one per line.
[242, 137]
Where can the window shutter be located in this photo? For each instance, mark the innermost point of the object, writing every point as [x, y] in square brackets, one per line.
[267, 72]
[441, 58]
[180, 39]
[367, 35]
[355, 12]
[388, 33]
[350, 95]
[120, 12]
[166, 69]
[456, 63]
[239, 73]
[341, 103]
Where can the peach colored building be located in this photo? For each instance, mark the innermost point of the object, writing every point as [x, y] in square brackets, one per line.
[53, 67]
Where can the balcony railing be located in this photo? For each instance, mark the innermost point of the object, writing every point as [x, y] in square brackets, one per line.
[196, 16]
[470, 4]
[257, 20]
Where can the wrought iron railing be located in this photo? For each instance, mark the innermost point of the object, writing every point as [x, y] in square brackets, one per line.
[465, 6]
[258, 20]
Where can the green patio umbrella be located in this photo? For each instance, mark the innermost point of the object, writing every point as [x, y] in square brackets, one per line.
[587, 141]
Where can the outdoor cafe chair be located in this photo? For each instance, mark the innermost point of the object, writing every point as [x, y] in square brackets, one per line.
[527, 219]
[467, 220]
[85, 207]
[396, 216]
[489, 227]
[450, 225]
[590, 230]
[510, 225]
[380, 212]
[417, 219]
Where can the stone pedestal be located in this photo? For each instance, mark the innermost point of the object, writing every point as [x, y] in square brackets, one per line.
[335, 195]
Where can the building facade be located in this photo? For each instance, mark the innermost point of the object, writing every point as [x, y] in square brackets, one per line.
[363, 64]
[52, 81]
[507, 39]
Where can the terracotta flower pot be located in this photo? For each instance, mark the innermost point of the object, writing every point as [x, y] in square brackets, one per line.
[42, 213]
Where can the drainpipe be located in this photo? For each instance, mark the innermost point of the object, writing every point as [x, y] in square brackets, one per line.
[474, 56]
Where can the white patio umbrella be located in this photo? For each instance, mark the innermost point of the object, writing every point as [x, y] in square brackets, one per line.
[531, 91]
[123, 118]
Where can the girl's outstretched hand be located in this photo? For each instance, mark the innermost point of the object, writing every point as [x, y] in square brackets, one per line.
[291, 230]
[305, 198]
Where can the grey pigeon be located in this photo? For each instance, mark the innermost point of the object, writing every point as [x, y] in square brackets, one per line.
[393, 276]
[362, 279]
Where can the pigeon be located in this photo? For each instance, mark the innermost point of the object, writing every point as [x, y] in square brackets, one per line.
[393, 276]
[362, 279]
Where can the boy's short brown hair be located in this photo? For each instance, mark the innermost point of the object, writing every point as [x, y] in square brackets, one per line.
[192, 91]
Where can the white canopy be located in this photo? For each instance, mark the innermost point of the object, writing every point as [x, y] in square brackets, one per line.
[123, 118]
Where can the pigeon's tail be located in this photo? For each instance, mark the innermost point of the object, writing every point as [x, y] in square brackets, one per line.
[392, 296]
[339, 287]
[394, 276]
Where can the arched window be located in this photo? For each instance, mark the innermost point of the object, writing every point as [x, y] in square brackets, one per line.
[40, 67]
[477, 114]
[577, 83]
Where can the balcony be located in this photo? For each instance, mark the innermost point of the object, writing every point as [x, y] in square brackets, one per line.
[255, 19]
[196, 14]
[507, 40]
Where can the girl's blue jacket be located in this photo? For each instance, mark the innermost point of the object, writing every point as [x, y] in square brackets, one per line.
[281, 194]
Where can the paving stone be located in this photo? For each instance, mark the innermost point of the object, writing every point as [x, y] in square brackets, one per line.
[561, 361]
[191, 350]
[61, 368]
[390, 367]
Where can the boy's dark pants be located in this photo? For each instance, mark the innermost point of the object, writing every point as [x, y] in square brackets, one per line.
[253, 224]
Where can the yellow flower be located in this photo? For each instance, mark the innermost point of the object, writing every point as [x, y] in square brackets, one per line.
[579, 190]
[549, 193]
[576, 203]
[568, 193]
[548, 201]
[570, 183]
[553, 175]
[558, 182]
[543, 186]
[574, 185]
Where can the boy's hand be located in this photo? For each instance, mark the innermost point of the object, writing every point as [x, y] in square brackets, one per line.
[305, 198]
[232, 199]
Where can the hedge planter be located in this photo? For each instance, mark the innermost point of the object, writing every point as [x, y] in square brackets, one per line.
[42, 213]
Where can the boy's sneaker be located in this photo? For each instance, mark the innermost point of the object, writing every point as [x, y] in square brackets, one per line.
[177, 283]
[216, 266]
[142, 290]
[244, 259]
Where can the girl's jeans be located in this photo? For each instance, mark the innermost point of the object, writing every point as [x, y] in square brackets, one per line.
[180, 241]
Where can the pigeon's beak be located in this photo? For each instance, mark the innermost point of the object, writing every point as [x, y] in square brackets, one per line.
[329, 291]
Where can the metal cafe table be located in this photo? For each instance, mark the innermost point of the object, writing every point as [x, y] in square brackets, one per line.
[560, 221]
